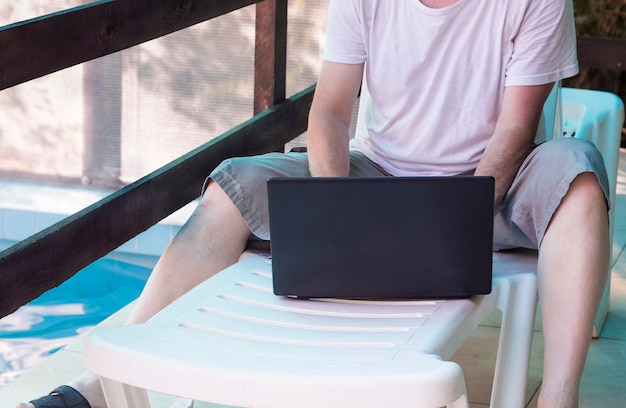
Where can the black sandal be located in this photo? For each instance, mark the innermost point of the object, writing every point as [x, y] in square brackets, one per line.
[62, 397]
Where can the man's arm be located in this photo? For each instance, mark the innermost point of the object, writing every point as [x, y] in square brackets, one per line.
[329, 118]
[513, 137]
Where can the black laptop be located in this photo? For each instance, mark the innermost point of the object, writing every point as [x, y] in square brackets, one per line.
[381, 237]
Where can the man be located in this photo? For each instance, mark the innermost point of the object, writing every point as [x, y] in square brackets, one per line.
[457, 87]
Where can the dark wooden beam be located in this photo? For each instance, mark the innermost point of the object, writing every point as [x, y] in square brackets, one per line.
[270, 59]
[53, 255]
[602, 53]
[40, 46]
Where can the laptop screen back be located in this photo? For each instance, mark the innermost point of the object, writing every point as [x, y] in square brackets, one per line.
[382, 237]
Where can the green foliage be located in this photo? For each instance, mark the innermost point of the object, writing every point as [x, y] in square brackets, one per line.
[604, 18]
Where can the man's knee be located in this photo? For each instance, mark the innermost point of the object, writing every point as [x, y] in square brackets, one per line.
[587, 188]
[213, 194]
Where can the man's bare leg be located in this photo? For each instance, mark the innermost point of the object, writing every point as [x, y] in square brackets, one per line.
[212, 239]
[573, 265]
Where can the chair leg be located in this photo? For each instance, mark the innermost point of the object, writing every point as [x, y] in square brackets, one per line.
[120, 395]
[511, 373]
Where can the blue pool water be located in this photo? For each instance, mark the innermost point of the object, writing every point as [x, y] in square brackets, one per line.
[59, 316]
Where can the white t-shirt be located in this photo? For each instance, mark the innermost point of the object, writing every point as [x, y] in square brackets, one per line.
[436, 76]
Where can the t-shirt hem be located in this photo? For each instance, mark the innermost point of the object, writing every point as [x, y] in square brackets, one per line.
[545, 78]
[344, 59]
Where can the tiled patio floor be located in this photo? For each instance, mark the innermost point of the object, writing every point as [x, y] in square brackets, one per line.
[602, 384]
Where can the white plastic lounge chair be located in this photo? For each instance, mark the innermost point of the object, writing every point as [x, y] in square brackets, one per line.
[231, 341]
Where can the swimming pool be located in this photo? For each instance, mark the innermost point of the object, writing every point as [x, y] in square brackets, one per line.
[59, 316]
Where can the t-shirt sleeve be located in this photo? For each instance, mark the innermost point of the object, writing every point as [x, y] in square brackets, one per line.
[344, 35]
[545, 46]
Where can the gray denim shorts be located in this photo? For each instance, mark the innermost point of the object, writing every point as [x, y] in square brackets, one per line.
[521, 221]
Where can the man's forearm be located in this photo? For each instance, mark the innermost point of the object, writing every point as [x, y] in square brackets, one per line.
[503, 157]
[328, 146]
[330, 116]
[513, 136]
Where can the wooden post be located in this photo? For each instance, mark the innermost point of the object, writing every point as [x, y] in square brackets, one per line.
[270, 57]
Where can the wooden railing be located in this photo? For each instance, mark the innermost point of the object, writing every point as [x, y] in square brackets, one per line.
[47, 44]
[602, 52]
[64, 39]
